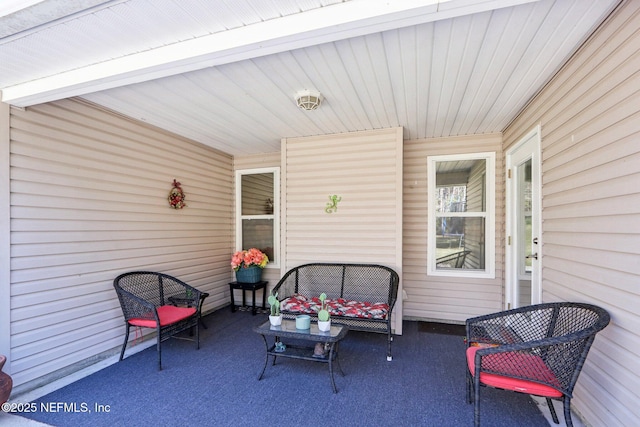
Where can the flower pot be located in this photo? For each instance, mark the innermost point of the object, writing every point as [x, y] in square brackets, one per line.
[324, 326]
[251, 274]
[275, 320]
[6, 383]
[303, 321]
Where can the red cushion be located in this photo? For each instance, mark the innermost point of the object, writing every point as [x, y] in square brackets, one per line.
[336, 307]
[167, 314]
[510, 364]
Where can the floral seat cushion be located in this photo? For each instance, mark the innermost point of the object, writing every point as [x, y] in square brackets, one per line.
[336, 307]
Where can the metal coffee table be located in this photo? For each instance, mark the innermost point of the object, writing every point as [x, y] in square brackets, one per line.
[313, 335]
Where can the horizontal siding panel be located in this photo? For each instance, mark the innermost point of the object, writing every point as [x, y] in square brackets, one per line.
[609, 242]
[337, 255]
[56, 358]
[111, 317]
[109, 327]
[605, 205]
[598, 373]
[599, 412]
[592, 97]
[364, 148]
[619, 106]
[104, 235]
[256, 161]
[115, 261]
[27, 326]
[74, 247]
[357, 190]
[51, 262]
[89, 201]
[624, 224]
[623, 186]
[601, 372]
[593, 166]
[590, 287]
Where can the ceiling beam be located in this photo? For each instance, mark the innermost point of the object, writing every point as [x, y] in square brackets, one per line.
[316, 26]
[22, 16]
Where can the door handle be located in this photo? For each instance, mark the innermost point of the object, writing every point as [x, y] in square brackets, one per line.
[532, 256]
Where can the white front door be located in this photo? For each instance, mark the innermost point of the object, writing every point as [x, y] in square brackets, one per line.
[523, 245]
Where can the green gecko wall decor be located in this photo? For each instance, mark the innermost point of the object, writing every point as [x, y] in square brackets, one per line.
[332, 206]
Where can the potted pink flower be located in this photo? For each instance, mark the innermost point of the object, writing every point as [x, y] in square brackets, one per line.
[248, 265]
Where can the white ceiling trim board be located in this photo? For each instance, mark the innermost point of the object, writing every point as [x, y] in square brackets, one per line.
[313, 27]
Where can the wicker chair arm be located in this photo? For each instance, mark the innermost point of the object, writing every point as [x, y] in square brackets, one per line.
[529, 346]
[499, 315]
[393, 291]
[135, 307]
[193, 297]
[285, 286]
[534, 324]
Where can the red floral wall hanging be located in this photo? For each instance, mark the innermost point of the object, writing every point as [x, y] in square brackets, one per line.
[176, 196]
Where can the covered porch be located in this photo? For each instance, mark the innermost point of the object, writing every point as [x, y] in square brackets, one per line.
[87, 159]
[218, 385]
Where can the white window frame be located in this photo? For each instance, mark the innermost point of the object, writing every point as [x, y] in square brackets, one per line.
[488, 214]
[275, 216]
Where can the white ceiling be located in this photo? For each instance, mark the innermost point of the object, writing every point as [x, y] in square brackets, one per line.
[225, 72]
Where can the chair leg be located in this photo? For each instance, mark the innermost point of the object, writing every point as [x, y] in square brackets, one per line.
[553, 411]
[198, 333]
[126, 338]
[159, 347]
[200, 310]
[469, 385]
[567, 411]
[476, 403]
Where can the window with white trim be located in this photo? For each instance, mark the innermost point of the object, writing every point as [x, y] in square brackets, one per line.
[257, 211]
[461, 217]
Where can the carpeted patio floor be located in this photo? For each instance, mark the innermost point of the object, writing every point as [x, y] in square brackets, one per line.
[217, 385]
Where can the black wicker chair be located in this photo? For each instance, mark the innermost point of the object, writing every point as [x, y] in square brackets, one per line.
[537, 350]
[146, 300]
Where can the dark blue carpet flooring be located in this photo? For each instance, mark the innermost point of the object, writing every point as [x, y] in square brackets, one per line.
[217, 385]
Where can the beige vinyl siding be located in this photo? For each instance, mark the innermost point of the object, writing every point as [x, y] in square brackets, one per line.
[447, 299]
[257, 161]
[265, 160]
[364, 169]
[590, 117]
[89, 201]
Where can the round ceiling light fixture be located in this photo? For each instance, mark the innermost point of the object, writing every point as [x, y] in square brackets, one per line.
[308, 99]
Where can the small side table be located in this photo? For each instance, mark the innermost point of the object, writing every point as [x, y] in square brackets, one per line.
[249, 287]
[185, 300]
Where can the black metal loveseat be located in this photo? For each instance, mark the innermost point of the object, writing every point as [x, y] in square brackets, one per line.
[360, 296]
[149, 300]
